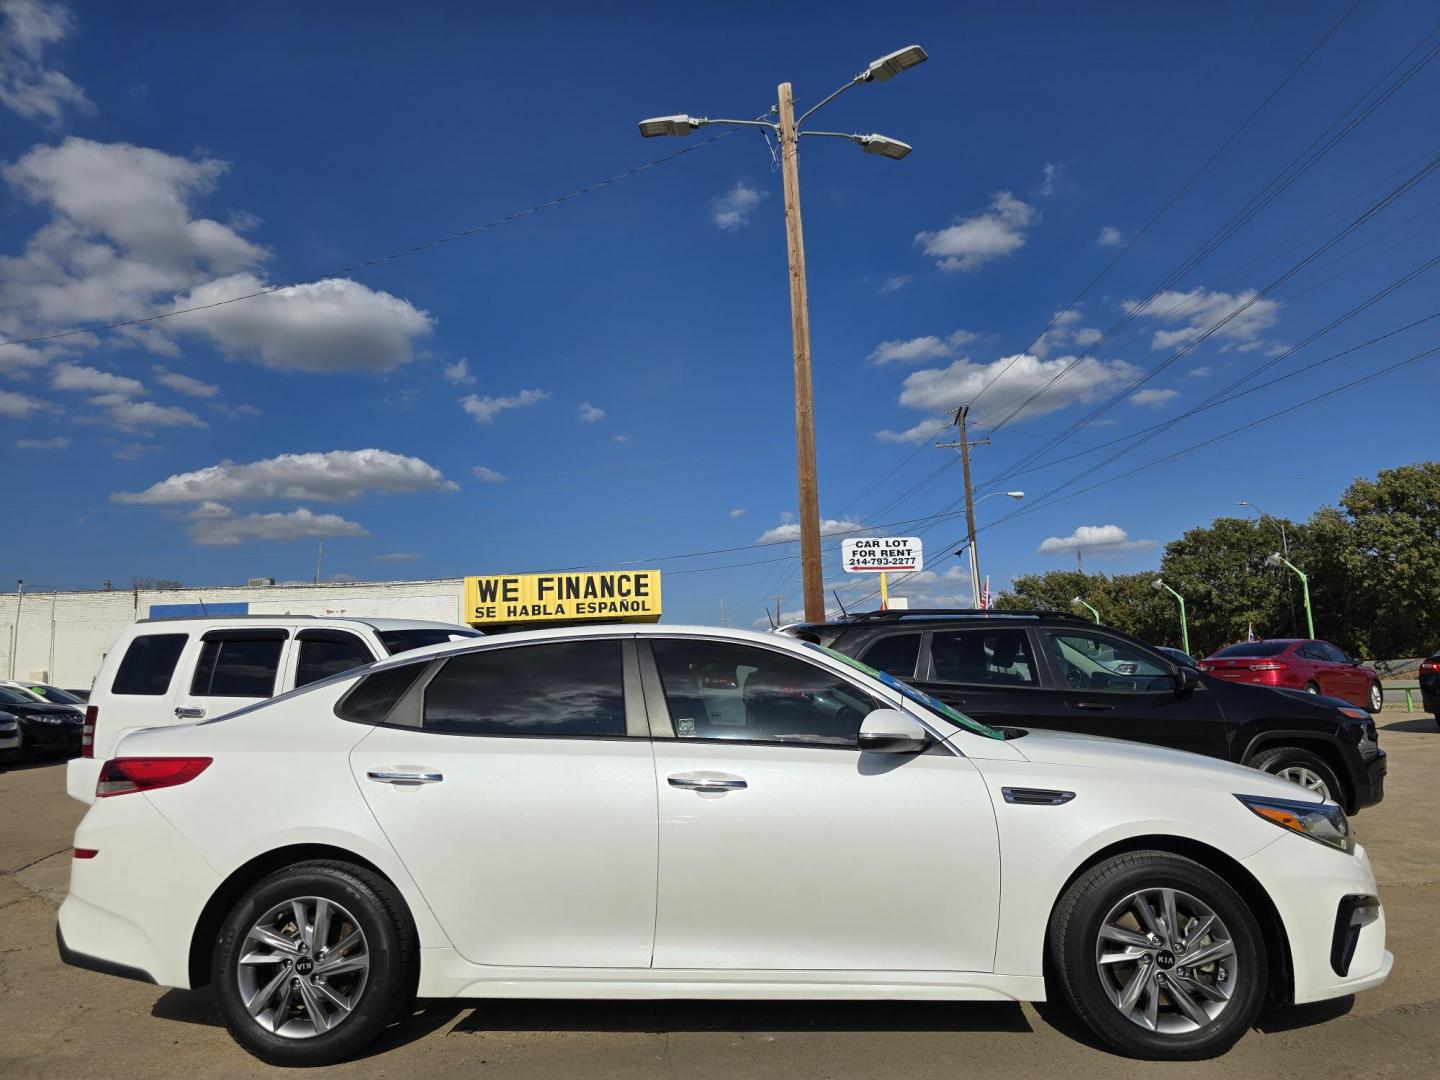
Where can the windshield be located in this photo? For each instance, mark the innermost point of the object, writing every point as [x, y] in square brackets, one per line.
[906, 690]
[55, 695]
[15, 697]
[398, 641]
[1255, 648]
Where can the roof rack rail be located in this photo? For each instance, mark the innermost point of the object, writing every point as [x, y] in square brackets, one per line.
[895, 615]
[218, 618]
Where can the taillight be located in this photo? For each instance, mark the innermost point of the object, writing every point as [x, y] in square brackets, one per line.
[86, 852]
[1206, 667]
[1430, 665]
[121, 776]
[87, 733]
[1266, 667]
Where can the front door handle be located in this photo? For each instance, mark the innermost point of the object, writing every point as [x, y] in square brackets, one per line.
[185, 712]
[1094, 706]
[404, 776]
[706, 783]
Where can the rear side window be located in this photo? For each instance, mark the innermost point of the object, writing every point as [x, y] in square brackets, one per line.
[896, 654]
[1255, 648]
[238, 667]
[375, 695]
[148, 664]
[398, 641]
[327, 653]
[568, 688]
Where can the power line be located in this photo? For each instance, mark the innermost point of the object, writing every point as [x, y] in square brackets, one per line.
[401, 254]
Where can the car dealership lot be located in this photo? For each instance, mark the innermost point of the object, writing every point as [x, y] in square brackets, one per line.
[59, 1021]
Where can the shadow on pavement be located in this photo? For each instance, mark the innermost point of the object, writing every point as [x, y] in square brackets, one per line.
[1421, 723]
[744, 1016]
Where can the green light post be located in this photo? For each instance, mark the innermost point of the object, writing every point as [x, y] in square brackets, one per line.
[1277, 559]
[1083, 604]
[1157, 585]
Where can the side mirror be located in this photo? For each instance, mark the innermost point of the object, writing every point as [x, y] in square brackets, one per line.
[1186, 679]
[890, 731]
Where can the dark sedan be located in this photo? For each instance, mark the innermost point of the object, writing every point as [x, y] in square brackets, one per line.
[43, 728]
[1430, 684]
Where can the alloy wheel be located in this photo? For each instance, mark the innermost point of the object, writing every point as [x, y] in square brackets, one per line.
[1306, 778]
[1166, 961]
[303, 967]
[1377, 698]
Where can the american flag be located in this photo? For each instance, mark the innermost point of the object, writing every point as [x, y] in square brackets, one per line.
[986, 600]
[1250, 633]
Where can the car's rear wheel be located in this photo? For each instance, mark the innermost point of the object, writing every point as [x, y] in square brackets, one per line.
[1301, 767]
[1377, 697]
[1312, 688]
[313, 962]
[1159, 956]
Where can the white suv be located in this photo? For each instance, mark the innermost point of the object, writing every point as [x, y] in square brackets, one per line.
[173, 671]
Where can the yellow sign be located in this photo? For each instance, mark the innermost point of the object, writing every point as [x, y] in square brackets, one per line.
[616, 595]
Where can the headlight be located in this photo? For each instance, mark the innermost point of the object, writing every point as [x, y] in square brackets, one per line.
[42, 718]
[1324, 823]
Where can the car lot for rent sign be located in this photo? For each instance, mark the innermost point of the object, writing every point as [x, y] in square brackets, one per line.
[881, 554]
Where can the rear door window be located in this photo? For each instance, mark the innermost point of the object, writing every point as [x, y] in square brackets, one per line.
[242, 667]
[999, 656]
[148, 664]
[328, 652]
[895, 654]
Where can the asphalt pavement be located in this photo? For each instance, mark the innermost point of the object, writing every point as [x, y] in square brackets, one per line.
[57, 1021]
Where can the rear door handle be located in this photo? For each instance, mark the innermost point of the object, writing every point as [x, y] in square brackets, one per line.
[706, 783]
[185, 712]
[404, 776]
[1094, 706]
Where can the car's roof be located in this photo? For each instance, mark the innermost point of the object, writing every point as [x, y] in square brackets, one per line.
[363, 620]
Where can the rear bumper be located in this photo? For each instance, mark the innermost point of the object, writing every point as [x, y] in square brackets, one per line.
[95, 963]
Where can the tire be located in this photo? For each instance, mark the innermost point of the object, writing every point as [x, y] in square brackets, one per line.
[1097, 992]
[1302, 767]
[356, 901]
[1377, 698]
[1312, 688]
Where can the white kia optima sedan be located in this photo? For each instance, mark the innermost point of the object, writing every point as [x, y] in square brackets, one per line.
[664, 812]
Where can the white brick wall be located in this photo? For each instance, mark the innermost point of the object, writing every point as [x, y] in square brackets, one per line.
[62, 637]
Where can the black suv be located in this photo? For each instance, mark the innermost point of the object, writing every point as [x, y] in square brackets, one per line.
[1053, 669]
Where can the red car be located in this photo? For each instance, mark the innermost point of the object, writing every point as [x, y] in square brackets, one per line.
[1316, 667]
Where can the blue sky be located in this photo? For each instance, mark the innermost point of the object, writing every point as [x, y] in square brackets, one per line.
[608, 380]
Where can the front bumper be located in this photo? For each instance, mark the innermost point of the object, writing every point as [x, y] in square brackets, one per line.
[1312, 887]
[1370, 786]
[52, 738]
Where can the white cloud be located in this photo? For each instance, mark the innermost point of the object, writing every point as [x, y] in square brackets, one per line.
[1197, 310]
[18, 406]
[1201, 372]
[1065, 331]
[917, 349]
[459, 373]
[972, 242]
[59, 442]
[183, 384]
[326, 477]
[1094, 540]
[935, 390]
[484, 409]
[27, 87]
[590, 414]
[398, 557]
[790, 530]
[327, 326]
[17, 360]
[65, 376]
[895, 282]
[131, 415]
[215, 525]
[739, 511]
[621, 438]
[1152, 398]
[1110, 236]
[732, 210]
[1050, 176]
[490, 476]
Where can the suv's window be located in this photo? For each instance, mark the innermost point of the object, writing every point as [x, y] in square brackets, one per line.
[566, 688]
[323, 655]
[237, 667]
[1093, 662]
[398, 641]
[896, 654]
[990, 655]
[148, 664]
[718, 690]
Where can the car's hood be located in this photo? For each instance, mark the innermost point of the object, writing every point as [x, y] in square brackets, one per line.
[1154, 762]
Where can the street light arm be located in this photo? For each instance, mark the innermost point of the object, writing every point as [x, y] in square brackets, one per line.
[742, 123]
[864, 77]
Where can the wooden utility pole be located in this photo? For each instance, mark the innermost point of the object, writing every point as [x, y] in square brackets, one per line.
[811, 577]
[963, 444]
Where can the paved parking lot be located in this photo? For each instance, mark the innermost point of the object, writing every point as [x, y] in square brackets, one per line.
[57, 1021]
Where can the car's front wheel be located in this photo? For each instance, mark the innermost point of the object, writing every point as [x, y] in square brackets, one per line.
[1159, 956]
[313, 963]
[1377, 697]
[1300, 767]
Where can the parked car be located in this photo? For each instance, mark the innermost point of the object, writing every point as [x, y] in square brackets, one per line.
[46, 692]
[1052, 669]
[42, 728]
[1430, 684]
[653, 811]
[83, 695]
[9, 737]
[169, 671]
[1316, 667]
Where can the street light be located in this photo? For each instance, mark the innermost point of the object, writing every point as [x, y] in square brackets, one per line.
[787, 131]
[1277, 559]
[1157, 585]
[1284, 546]
[1083, 604]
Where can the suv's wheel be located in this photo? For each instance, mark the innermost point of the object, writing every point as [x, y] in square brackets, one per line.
[1300, 767]
[1377, 697]
[1159, 956]
[313, 962]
